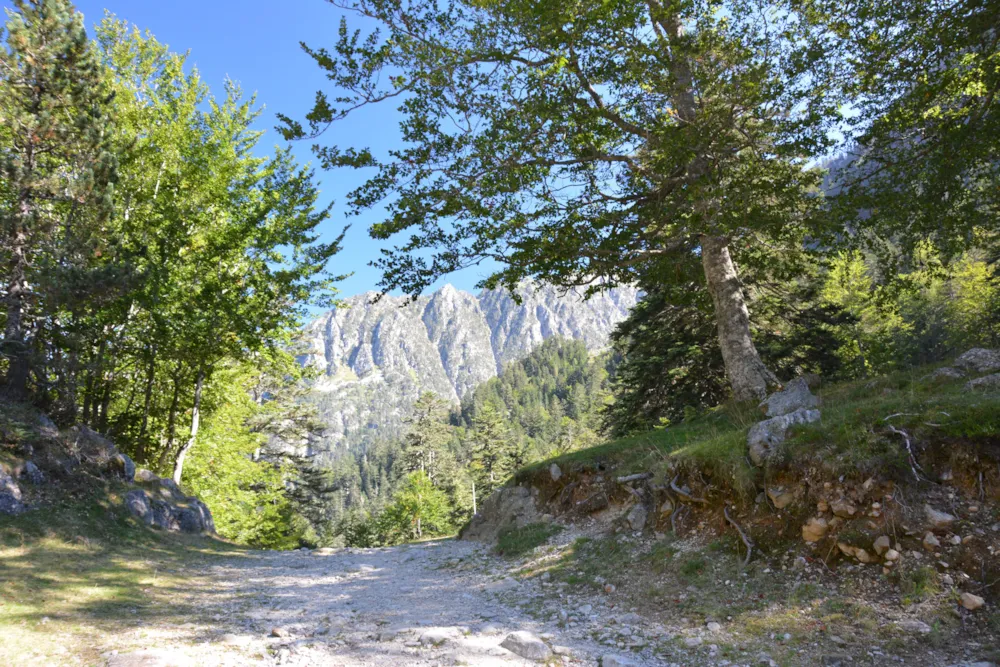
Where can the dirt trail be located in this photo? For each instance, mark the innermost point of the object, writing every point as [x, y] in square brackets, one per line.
[423, 604]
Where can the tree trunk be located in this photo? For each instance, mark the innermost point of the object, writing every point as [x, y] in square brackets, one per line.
[195, 420]
[147, 398]
[748, 376]
[16, 382]
[168, 448]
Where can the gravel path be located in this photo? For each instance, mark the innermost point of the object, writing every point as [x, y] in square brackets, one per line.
[426, 604]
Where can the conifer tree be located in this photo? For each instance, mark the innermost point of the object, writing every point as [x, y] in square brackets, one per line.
[56, 165]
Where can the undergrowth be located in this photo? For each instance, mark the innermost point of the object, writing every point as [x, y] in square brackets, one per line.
[864, 428]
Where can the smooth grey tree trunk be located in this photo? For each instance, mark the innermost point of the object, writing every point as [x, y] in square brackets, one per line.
[195, 422]
[748, 376]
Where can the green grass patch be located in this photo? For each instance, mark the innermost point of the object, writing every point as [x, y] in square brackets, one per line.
[853, 437]
[77, 572]
[513, 542]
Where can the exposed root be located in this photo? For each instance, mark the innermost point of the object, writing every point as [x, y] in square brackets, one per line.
[683, 494]
[638, 477]
[743, 536]
[914, 465]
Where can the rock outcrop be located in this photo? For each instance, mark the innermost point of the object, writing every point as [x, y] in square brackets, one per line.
[376, 358]
[54, 462]
[507, 506]
[794, 404]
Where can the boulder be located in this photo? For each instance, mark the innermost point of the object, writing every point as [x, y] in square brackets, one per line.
[795, 396]
[33, 474]
[138, 505]
[765, 436]
[637, 517]
[10, 495]
[527, 646]
[508, 505]
[985, 383]
[91, 446]
[123, 466]
[193, 516]
[555, 472]
[144, 476]
[979, 360]
[882, 544]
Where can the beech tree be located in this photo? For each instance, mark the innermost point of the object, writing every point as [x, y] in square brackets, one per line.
[571, 142]
[922, 81]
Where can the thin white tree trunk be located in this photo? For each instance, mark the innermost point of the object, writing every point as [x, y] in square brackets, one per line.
[195, 422]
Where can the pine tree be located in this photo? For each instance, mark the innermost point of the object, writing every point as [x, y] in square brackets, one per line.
[58, 171]
[495, 455]
[427, 433]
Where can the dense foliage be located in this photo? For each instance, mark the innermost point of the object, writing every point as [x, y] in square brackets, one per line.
[155, 262]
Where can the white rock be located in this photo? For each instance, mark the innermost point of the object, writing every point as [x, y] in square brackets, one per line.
[527, 646]
[918, 627]
[938, 519]
[971, 602]
[617, 661]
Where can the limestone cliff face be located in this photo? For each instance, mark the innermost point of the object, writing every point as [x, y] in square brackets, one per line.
[376, 358]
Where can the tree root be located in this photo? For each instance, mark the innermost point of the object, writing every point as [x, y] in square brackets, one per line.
[743, 536]
[683, 494]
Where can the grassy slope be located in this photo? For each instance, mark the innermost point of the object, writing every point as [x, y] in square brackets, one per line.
[853, 437]
[76, 569]
[686, 581]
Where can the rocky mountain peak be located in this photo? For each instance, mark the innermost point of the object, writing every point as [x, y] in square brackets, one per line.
[378, 356]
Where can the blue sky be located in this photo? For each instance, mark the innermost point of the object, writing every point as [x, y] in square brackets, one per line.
[256, 42]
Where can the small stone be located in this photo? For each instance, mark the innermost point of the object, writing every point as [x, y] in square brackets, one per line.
[280, 632]
[918, 627]
[937, 519]
[864, 556]
[955, 540]
[609, 588]
[692, 642]
[971, 602]
[822, 506]
[617, 661]
[714, 627]
[815, 529]
[947, 476]
[882, 544]
[527, 646]
[780, 497]
[947, 580]
[931, 542]
[637, 517]
[436, 637]
[892, 555]
[843, 508]
[555, 472]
